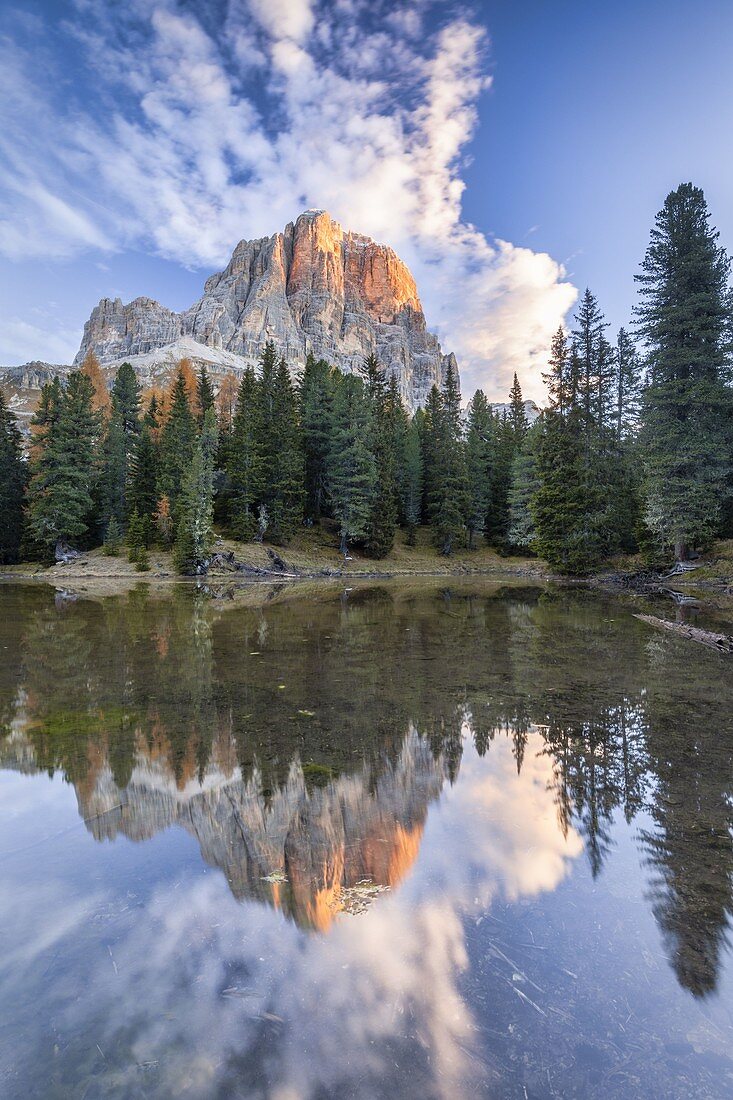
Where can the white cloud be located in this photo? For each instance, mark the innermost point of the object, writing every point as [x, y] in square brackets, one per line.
[214, 135]
[21, 341]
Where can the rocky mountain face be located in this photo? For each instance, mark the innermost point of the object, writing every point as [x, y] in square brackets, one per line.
[312, 288]
[304, 849]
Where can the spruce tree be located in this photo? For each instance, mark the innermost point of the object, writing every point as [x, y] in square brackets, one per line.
[685, 320]
[195, 534]
[144, 468]
[204, 395]
[589, 348]
[385, 425]
[282, 448]
[628, 387]
[316, 414]
[479, 458]
[447, 502]
[504, 451]
[135, 537]
[60, 492]
[13, 476]
[246, 468]
[112, 482]
[518, 422]
[352, 474]
[112, 538]
[525, 483]
[177, 442]
[411, 478]
[126, 402]
[557, 378]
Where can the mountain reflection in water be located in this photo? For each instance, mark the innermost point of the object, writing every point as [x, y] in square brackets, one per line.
[469, 752]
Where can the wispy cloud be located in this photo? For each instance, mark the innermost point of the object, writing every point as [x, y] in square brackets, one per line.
[202, 131]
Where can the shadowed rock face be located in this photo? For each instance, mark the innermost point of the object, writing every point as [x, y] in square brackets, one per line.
[303, 849]
[313, 288]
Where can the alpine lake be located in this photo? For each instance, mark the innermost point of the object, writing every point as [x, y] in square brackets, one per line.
[437, 839]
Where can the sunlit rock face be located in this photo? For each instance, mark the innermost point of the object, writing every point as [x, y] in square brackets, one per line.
[303, 849]
[312, 288]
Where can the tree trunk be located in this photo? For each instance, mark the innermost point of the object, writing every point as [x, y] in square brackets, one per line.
[681, 550]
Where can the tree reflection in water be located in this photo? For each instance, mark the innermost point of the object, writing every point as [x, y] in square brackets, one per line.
[302, 741]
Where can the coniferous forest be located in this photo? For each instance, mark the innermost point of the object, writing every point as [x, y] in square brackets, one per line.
[633, 452]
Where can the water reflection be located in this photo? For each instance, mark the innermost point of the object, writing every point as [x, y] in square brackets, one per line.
[463, 750]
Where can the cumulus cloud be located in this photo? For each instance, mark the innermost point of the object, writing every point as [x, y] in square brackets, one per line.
[205, 131]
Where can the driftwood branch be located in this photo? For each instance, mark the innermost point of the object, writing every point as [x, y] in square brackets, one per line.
[722, 643]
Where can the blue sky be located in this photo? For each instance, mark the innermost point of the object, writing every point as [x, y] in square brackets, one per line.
[509, 151]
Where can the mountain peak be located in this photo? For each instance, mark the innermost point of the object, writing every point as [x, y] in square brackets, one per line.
[310, 288]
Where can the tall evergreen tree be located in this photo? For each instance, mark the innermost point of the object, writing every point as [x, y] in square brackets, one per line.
[518, 422]
[447, 502]
[194, 534]
[126, 402]
[145, 469]
[204, 395]
[13, 476]
[479, 459]
[246, 468]
[282, 456]
[628, 386]
[177, 442]
[590, 345]
[60, 491]
[316, 414]
[352, 473]
[525, 483]
[386, 424]
[411, 478]
[685, 319]
[557, 377]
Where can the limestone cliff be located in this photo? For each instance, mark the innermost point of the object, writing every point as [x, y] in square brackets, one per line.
[313, 287]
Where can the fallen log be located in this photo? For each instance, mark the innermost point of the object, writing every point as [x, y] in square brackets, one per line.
[722, 643]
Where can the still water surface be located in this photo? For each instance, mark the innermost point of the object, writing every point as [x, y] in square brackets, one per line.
[390, 842]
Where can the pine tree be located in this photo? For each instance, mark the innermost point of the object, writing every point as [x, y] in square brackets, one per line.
[204, 395]
[60, 500]
[316, 414]
[504, 451]
[246, 469]
[588, 346]
[112, 538]
[525, 483]
[518, 422]
[411, 478]
[110, 491]
[282, 451]
[126, 402]
[559, 509]
[628, 387]
[447, 502]
[685, 319]
[135, 537]
[13, 476]
[177, 442]
[195, 534]
[557, 378]
[479, 459]
[385, 422]
[142, 493]
[352, 473]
